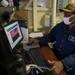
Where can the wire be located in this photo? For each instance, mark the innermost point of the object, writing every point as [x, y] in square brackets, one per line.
[40, 68]
[37, 68]
[45, 68]
[31, 66]
[28, 62]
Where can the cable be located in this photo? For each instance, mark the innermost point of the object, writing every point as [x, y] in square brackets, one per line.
[30, 66]
[37, 68]
[28, 62]
[33, 66]
[45, 68]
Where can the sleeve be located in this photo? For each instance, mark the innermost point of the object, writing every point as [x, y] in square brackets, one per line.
[50, 37]
[69, 62]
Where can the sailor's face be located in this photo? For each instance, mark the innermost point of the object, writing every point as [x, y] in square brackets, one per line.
[68, 14]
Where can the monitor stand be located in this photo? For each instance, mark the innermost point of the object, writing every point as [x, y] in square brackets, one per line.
[18, 49]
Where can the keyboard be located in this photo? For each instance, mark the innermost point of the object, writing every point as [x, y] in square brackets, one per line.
[36, 58]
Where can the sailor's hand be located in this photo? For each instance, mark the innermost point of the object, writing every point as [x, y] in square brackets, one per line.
[57, 66]
[35, 41]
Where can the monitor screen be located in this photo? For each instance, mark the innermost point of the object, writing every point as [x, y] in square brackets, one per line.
[13, 34]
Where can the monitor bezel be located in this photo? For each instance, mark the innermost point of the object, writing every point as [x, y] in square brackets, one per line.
[7, 41]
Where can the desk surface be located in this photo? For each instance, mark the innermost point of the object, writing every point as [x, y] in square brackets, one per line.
[48, 54]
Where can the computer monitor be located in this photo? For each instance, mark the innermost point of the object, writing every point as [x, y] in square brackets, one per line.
[13, 34]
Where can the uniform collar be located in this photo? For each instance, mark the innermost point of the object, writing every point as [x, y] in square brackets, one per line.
[66, 27]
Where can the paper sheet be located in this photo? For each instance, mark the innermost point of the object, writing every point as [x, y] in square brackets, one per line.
[35, 35]
[25, 34]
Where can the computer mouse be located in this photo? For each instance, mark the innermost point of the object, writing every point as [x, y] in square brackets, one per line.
[29, 44]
